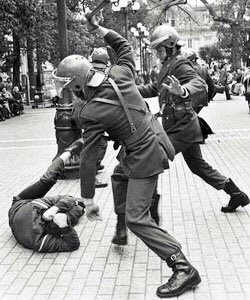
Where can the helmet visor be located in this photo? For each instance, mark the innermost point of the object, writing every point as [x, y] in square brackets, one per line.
[61, 83]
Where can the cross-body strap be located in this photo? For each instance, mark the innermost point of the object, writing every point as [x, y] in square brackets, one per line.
[115, 102]
[123, 103]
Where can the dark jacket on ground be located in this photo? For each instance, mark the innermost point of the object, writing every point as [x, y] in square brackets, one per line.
[33, 232]
[185, 125]
[145, 152]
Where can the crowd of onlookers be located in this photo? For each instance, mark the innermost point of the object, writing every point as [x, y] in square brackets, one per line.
[233, 81]
[10, 100]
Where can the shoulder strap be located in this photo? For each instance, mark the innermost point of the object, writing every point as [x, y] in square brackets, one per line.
[123, 103]
[118, 103]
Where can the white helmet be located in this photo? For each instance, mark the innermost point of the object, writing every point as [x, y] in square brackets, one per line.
[165, 35]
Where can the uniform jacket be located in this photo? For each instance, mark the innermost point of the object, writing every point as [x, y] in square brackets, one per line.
[145, 152]
[186, 126]
[33, 232]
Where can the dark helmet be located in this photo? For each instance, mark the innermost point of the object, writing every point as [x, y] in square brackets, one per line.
[100, 55]
[165, 35]
[74, 72]
[191, 54]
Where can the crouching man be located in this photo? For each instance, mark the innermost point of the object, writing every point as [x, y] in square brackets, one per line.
[45, 224]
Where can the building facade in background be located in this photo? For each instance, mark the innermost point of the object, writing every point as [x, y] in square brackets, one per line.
[195, 32]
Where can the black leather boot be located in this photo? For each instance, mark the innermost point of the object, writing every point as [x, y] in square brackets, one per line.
[238, 198]
[121, 236]
[154, 208]
[185, 277]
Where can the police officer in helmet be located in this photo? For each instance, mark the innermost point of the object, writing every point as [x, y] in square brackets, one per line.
[179, 85]
[114, 105]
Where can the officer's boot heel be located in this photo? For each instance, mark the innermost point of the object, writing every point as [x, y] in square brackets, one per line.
[238, 198]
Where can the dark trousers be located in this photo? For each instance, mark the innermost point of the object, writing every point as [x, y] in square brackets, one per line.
[227, 92]
[133, 198]
[196, 163]
[45, 183]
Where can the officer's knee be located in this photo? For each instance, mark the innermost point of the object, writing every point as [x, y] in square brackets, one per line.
[131, 223]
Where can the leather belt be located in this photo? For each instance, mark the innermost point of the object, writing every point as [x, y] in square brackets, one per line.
[182, 106]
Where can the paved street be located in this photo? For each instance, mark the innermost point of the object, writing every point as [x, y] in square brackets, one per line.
[217, 244]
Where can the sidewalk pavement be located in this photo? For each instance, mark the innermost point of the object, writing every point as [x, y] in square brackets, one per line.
[217, 244]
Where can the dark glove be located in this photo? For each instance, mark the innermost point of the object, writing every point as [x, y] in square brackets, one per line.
[116, 145]
[92, 23]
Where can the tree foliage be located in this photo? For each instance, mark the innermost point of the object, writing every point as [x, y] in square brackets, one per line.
[231, 24]
[36, 22]
[210, 53]
[229, 20]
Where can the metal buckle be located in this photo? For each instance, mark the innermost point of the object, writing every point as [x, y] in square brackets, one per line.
[173, 257]
[132, 127]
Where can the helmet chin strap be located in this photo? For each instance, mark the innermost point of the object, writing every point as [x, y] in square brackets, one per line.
[169, 53]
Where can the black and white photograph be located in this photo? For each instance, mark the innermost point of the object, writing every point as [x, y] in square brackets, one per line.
[124, 149]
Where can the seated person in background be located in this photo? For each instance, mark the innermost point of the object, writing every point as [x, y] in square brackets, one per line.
[8, 85]
[45, 224]
[2, 111]
[5, 109]
[8, 101]
[18, 105]
[246, 82]
[2, 84]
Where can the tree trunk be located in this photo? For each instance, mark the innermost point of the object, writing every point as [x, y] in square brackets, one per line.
[32, 77]
[39, 77]
[236, 47]
[16, 61]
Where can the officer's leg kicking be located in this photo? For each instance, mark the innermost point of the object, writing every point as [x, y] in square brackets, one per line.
[196, 163]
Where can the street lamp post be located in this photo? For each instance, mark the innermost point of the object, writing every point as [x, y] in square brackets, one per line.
[141, 33]
[66, 132]
[145, 44]
[124, 6]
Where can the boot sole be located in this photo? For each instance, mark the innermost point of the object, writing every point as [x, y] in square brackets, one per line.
[186, 288]
[98, 186]
[232, 210]
[120, 243]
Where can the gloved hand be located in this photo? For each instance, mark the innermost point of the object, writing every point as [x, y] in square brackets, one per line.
[50, 213]
[92, 23]
[60, 220]
[92, 212]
